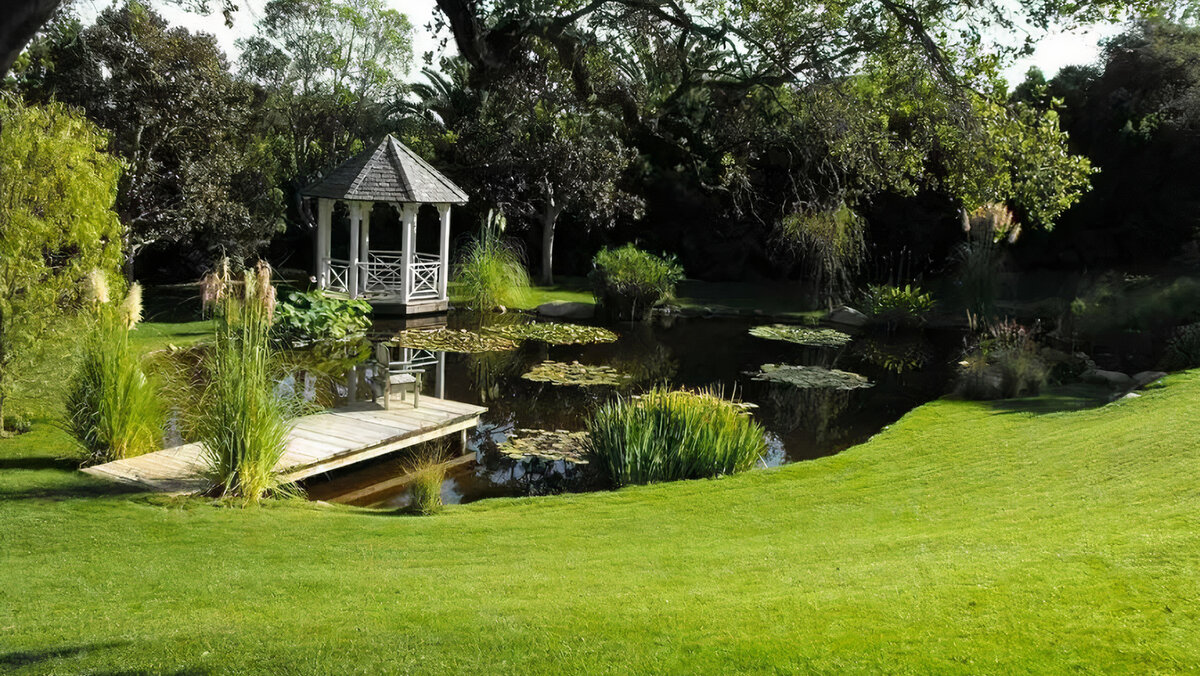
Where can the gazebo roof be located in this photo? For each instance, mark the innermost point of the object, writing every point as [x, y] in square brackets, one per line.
[389, 172]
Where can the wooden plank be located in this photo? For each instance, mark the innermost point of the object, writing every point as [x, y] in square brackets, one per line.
[348, 425]
[370, 453]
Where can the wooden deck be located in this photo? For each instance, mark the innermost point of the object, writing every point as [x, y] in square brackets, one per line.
[317, 443]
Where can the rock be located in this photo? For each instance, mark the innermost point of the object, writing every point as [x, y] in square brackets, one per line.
[848, 316]
[1131, 395]
[563, 309]
[1112, 379]
[1145, 378]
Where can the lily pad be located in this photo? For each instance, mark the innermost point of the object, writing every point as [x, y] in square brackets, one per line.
[561, 373]
[555, 333]
[547, 445]
[812, 377]
[802, 335]
[451, 340]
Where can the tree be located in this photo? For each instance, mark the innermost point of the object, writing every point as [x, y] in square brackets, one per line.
[326, 66]
[182, 123]
[57, 189]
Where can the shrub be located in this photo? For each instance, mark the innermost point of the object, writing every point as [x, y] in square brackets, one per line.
[896, 304]
[627, 282]
[491, 273]
[1119, 304]
[241, 421]
[112, 408]
[667, 435]
[1183, 352]
[317, 316]
[1004, 363]
[428, 469]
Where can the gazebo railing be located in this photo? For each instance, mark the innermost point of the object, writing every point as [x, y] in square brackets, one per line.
[385, 272]
[339, 274]
[383, 275]
[426, 269]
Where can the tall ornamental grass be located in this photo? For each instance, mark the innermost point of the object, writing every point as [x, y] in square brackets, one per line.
[113, 408]
[241, 421]
[628, 282]
[491, 273]
[667, 435]
[427, 466]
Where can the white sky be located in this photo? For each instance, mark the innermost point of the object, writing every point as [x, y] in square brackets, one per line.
[1054, 51]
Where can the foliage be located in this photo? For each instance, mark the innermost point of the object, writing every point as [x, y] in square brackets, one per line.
[584, 375]
[1003, 363]
[112, 408]
[627, 282]
[491, 271]
[809, 377]
[317, 316]
[552, 445]
[182, 123]
[801, 335]
[897, 304]
[451, 340]
[666, 435]
[57, 187]
[427, 467]
[1113, 304]
[327, 67]
[241, 420]
[835, 242]
[1183, 352]
[896, 355]
[555, 333]
[979, 259]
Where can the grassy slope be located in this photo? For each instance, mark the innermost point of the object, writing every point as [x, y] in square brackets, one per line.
[966, 537]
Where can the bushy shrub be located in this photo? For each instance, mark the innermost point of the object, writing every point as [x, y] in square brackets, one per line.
[491, 273]
[628, 282]
[241, 420]
[316, 316]
[667, 435]
[1183, 352]
[1118, 304]
[896, 304]
[1004, 362]
[113, 409]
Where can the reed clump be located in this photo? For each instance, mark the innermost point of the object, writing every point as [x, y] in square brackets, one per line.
[113, 409]
[427, 465]
[491, 273]
[667, 435]
[241, 420]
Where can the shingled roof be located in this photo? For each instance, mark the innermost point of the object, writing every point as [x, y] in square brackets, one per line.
[389, 172]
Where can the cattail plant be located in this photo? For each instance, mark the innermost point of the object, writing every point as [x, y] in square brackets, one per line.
[113, 409]
[241, 421]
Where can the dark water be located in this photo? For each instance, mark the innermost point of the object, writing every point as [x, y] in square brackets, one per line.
[801, 423]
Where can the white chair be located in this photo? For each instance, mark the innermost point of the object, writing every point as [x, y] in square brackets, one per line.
[390, 374]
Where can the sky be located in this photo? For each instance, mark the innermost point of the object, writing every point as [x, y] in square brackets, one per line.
[1054, 51]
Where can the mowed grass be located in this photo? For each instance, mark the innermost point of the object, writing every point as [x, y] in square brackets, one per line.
[966, 538]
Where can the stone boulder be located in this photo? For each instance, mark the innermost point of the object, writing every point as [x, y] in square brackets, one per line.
[848, 316]
[563, 309]
[1114, 380]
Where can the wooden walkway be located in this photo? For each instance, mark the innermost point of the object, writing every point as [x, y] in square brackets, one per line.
[317, 443]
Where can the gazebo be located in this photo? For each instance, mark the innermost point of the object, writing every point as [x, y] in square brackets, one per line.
[402, 281]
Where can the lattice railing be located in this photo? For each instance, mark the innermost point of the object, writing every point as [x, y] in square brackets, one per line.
[384, 275]
[339, 274]
[424, 278]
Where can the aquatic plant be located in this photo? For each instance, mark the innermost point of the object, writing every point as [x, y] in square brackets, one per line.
[555, 333]
[453, 340]
[897, 304]
[801, 335]
[666, 435]
[317, 316]
[241, 421]
[628, 282]
[491, 272]
[811, 377]
[894, 355]
[832, 240]
[427, 466]
[550, 445]
[113, 409]
[561, 373]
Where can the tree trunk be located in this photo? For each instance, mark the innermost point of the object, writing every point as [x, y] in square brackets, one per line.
[24, 18]
[549, 218]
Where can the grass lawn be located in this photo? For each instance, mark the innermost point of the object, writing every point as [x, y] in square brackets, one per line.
[968, 537]
[772, 298]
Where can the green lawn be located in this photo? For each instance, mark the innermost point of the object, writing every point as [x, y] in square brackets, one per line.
[968, 537]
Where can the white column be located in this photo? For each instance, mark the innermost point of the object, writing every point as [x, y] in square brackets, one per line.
[324, 217]
[364, 245]
[439, 390]
[352, 273]
[408, 222]
[444, 250]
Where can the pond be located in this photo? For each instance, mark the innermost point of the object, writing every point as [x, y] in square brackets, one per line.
[907, 368]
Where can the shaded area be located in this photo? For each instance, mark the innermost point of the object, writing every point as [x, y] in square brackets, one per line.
[1056, 399]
